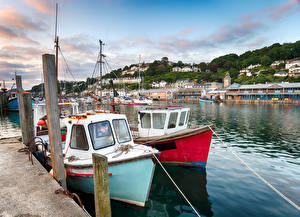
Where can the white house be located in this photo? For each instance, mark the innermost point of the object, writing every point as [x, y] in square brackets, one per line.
[253, 66]
[293, 66]
[155, 84]
[162, 84]
[195, 69]
[176, 69]
[244, 70]
[249, 74]
[186, 69]
[280, 74]
[277, 63]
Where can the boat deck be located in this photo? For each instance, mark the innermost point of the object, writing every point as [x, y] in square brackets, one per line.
[28, 190]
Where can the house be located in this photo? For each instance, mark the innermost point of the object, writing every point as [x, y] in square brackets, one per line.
[196, 69]
[155, 84]
[176, 69]
[293, 66]
[249, 74]
[143, 69]
[280, 74]
[244, 70]
[186, 69]
[253, 66]
[277, 63]
[130, 71]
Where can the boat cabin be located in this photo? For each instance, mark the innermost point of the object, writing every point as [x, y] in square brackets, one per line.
[100, 133]
[162, 121]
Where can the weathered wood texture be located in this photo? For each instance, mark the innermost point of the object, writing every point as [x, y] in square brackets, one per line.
[101, 186]
[20, 103]
[28, 137]
[53, 118]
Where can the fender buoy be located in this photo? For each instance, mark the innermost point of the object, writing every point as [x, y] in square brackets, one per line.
[41, 122]
[51, 173]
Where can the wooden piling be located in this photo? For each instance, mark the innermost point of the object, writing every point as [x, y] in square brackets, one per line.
[51, 98]
[20, 104]
[101, 186]
[28, 122]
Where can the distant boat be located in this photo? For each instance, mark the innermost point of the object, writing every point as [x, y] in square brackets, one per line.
[130, 166]
[166, 130]
[13, 104]
[205, 100]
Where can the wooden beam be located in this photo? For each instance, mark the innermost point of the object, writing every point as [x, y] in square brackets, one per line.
[20, 104]
[53, 118]
[28, 122]
[101, 186]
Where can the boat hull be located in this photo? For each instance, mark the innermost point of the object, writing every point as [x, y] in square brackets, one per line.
[188, 147]
[13, 104]
[129, 182]
[189, 151]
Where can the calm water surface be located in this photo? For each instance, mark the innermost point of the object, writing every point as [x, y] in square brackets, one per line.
[267, 137]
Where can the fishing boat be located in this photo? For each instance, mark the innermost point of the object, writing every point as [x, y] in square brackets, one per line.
[142, 100]
[13, 104]
[166, 129]
[130, 166]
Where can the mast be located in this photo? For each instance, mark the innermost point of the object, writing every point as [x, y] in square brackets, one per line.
[56, 41]
[139, 73]
[100, 61]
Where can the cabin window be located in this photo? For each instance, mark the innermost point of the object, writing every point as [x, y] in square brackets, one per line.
[187, 117]
[182, 118]
[146, 120]
[78, 139]
[101, 134]
[159, 120]
[172, 120]
[121, 130]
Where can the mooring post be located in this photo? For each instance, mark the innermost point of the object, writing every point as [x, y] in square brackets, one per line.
[51, 98]
[28, 122]
[101, 186]
[20, 104]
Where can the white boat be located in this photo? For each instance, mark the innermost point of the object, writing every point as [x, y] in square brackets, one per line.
[142, 100]
[130, 166]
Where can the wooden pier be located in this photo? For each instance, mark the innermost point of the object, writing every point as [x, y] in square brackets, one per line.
[27, 189]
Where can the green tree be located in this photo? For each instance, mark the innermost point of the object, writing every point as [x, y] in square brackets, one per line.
[265, 60]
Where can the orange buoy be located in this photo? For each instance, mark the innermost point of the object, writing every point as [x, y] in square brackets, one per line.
[51, 173]
[41, 122]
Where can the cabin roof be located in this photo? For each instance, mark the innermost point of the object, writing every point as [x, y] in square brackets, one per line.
[163, 109]
[89, 117]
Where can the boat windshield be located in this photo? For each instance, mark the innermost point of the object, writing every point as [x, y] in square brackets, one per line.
[101, 134]
[122, 131]
[145, 120]
[172, 120]
[159, 120]
[182, 118]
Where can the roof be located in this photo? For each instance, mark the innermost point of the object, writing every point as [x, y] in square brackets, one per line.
[291, 60]
[267, 85]
[281, 73]
[164, 109]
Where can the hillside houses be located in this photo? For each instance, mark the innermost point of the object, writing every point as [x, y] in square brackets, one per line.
[293, 66]
[186, 69]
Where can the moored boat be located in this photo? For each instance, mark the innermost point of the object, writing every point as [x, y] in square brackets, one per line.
[130, 166]
[13, 104]
[166, 129]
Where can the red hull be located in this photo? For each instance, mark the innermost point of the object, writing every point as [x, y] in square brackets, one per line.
[189, 151]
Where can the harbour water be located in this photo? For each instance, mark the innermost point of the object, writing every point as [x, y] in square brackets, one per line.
[265, 136]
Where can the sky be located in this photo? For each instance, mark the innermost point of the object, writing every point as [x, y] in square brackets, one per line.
[192, 31]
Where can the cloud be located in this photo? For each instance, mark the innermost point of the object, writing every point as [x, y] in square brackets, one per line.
[188, 30]
[284, 9]
[43, 6]
[12, 18]
[9, 34]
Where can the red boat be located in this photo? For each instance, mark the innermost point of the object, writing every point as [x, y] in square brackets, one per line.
[166, 129]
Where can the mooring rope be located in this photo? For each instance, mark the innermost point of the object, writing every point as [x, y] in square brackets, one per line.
[176, 185]
[255, 173]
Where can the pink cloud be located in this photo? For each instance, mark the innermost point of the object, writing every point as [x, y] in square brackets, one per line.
[187, 30]
[284, 9]
[43, 6]
[11, 17]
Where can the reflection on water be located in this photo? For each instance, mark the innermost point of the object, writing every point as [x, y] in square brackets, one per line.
[10, 125]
